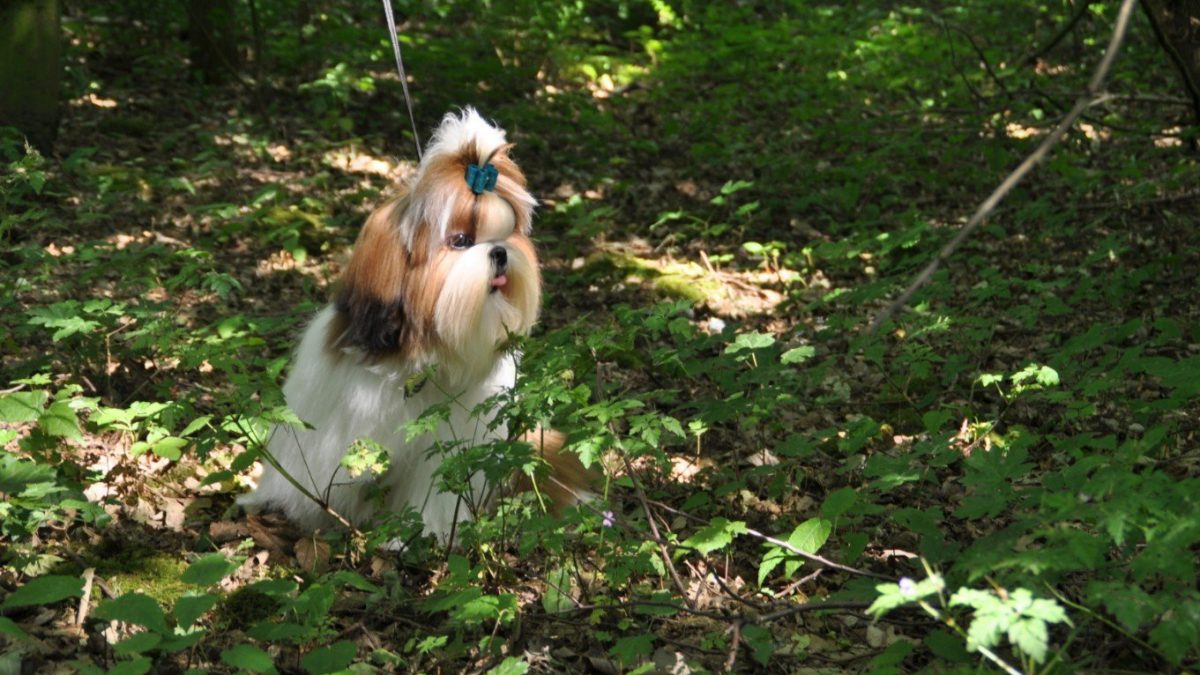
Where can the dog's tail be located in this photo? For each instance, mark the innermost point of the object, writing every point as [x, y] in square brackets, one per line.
[569, 482]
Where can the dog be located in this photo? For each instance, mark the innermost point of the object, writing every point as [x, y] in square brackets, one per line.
[440, 279]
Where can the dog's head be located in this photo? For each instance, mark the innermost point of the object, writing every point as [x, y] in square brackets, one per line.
[445, 272]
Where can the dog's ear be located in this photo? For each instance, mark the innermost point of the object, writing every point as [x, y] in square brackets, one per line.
[370, 298]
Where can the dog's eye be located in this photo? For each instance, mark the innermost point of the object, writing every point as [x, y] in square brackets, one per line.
[461, 240]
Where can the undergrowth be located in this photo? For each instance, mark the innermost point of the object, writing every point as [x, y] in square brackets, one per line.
[1004, 477]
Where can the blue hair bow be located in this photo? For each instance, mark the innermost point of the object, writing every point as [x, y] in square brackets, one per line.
[482, 178]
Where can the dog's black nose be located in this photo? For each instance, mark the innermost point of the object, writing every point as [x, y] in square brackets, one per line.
[499, 257]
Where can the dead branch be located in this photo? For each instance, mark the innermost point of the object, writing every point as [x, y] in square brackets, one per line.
[1093, 96]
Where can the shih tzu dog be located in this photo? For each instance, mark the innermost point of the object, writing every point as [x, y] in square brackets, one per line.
[440, 278]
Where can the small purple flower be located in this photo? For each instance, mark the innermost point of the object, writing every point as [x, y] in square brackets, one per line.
[907, 586]
[608, 519]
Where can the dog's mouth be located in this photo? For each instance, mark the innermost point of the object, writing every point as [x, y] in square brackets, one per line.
[499, 281]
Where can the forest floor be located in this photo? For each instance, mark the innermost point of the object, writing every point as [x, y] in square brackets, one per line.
[726, 202]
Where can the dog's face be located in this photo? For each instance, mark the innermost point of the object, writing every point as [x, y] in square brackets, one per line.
[444, 274]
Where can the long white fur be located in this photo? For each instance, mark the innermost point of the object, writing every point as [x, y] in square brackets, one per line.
[344, 401]
[345, 397]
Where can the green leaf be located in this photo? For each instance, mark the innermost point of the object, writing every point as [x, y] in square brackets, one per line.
[947, 646]
[558, 588]
[179, 643]
[770, 561]
[274, 632]
[208, 570]
[217, 477]
[717, 535]
[135, 608]
[892, 596]
[431, 643]
[170, 447]
[22, 406]
[761, 644]
[1046, 610]
[935, 419]
[354, 580]
[798, 355]
[811, 535]
[248, 657]
[751, 340]
[838, 503]
[196, 425]
[10, 628]
[17, 475]
[632, 649]
[138, 666]
[331, 659]
[1031, 637]
[988, 379]
[189, 608]
[60, 421]
[138, 643]
[44, 590]
[510, 666]
[985, 631]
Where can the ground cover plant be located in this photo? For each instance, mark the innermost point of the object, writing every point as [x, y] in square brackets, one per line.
[1003, 476]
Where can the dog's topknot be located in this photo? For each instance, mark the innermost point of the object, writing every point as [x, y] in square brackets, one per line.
[465, 133]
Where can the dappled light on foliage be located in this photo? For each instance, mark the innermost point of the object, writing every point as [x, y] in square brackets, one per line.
[1005, 475]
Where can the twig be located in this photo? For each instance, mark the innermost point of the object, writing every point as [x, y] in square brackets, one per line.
[1091, 97]
[1106, 621]
[734, 642]
[85, 602]
[809, 607]
[662, 546]
[752, 604]
[1151, 98]
[95, 579]
[641, 495]
[1166, 199]
[987, 66]
[812, 557]
[1170, 47]
[1081, 9]
[266, 455]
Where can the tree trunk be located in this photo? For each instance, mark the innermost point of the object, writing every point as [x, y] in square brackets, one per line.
[1177, 25]
[31, 68]
[212, 38]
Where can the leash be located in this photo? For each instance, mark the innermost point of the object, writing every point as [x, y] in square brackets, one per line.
[391, 21]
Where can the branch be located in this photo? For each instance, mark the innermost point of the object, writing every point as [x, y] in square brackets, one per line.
[1091, 97]
[1081, 9]
[811, 557]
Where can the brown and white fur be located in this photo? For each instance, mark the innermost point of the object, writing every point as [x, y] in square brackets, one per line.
[439, 279]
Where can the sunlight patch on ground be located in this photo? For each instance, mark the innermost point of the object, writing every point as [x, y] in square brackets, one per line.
[727, 293]
[1021, 132]
[1170, 141]
[352, 159]
[94, 100]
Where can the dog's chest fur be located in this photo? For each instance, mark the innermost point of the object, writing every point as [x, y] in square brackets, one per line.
[346, 399]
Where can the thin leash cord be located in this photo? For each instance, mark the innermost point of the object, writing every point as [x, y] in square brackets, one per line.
[391, 22]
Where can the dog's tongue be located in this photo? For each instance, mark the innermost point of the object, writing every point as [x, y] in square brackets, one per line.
[499, 280]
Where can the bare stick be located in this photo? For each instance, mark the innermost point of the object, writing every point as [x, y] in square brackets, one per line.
[662, 546]
[811, 557]
[1091, 97]
[85, 602]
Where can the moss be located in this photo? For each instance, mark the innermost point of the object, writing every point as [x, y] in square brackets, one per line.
[244, 608]
[156, 575]
[685, 280]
